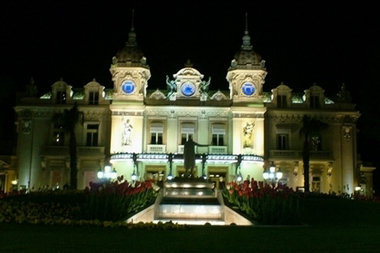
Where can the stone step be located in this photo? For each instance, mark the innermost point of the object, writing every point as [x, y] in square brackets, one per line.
[189, 201]
[192, 221]
[187, 211]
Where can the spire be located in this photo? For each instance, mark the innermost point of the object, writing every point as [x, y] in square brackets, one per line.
[132, 35]
[246, 23]
[246, 39]
[188, 64]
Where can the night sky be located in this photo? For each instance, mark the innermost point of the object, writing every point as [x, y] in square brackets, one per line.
[302, 42]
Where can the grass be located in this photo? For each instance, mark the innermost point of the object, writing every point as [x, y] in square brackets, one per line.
[334, 225]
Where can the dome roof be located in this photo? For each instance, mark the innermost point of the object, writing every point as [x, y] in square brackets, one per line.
[246, 57]
[131, 54]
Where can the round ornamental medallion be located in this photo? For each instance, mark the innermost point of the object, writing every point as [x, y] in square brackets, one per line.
[248, 89]
[128, 87]
[188, 89]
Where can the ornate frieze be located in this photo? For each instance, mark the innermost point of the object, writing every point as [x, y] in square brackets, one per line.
[95, 115]
[248, 115]
[126, 113]
[325, 117]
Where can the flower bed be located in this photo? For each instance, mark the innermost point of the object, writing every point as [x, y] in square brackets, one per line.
[263, 203]
[117, 200]
[103, 203]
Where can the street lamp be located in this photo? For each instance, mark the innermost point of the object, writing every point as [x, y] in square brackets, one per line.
[272, 175]
[170, 159]
[239, 176]
[134, 176]
[107, 173]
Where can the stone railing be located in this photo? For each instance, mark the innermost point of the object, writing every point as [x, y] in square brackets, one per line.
[64, 151]
[297, 154]
[154, 148]
[217, 149]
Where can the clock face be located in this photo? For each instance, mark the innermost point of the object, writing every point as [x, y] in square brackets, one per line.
[248, 89]
[128, 87]
[188, 89]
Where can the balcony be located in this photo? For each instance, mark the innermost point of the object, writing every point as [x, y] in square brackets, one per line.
[64, 151]
[180, 149]
[155, 148]
[217, 150]
[297, 155]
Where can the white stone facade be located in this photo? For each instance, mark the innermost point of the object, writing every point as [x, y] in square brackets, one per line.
[151, 126]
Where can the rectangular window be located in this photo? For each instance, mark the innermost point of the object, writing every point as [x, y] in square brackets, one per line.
[156, 132]
[58, 135]
[93, 98]
[187, 131]
[218, 134]
[156, 138]
[282, 140]
[61, 97]
[315, 143]
[281, 101]
[56, 179]
[316, 184]
[314, 101]
[92, 135]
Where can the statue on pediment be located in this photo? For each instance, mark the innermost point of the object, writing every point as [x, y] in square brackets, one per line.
[204, 86]
[344, 95]
[172, 87]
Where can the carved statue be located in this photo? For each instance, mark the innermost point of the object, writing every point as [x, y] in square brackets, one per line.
[204, 86]
[171, 85]
[248, 134]
[31, 89]
[189, 156]
[344, 95]
[127, 131]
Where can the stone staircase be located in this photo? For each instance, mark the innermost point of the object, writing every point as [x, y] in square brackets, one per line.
[190, 202]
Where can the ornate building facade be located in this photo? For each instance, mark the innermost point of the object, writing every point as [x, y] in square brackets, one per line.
[142, 132]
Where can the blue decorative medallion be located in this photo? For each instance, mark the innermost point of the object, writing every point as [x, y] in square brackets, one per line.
[128, 87]
[248, 89]
[188, 89]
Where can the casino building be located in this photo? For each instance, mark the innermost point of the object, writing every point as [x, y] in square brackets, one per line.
[141, 132]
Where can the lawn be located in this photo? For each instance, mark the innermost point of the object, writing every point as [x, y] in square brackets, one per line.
[333, 225]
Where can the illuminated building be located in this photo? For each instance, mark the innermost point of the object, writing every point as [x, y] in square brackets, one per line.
[141, 132]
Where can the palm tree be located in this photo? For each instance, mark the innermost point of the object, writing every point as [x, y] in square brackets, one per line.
[68, 120]
[311, 127]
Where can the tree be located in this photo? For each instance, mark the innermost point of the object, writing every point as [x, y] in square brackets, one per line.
[68, 120]
[311, 127]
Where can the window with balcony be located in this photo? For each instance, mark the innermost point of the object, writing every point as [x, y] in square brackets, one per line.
[156, 132]
[187, 131]
[314, 101]
[58, 135]
[315, 143]
[282, 141]
[92, 135]
[281, 101]
[61, 97]
[93, 98]
[218, 134]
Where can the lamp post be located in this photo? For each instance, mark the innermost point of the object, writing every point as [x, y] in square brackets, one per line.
[170, 159]
[108, 173]
[239, 176]
[204, 159]
[272, 175]
[134, 175]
